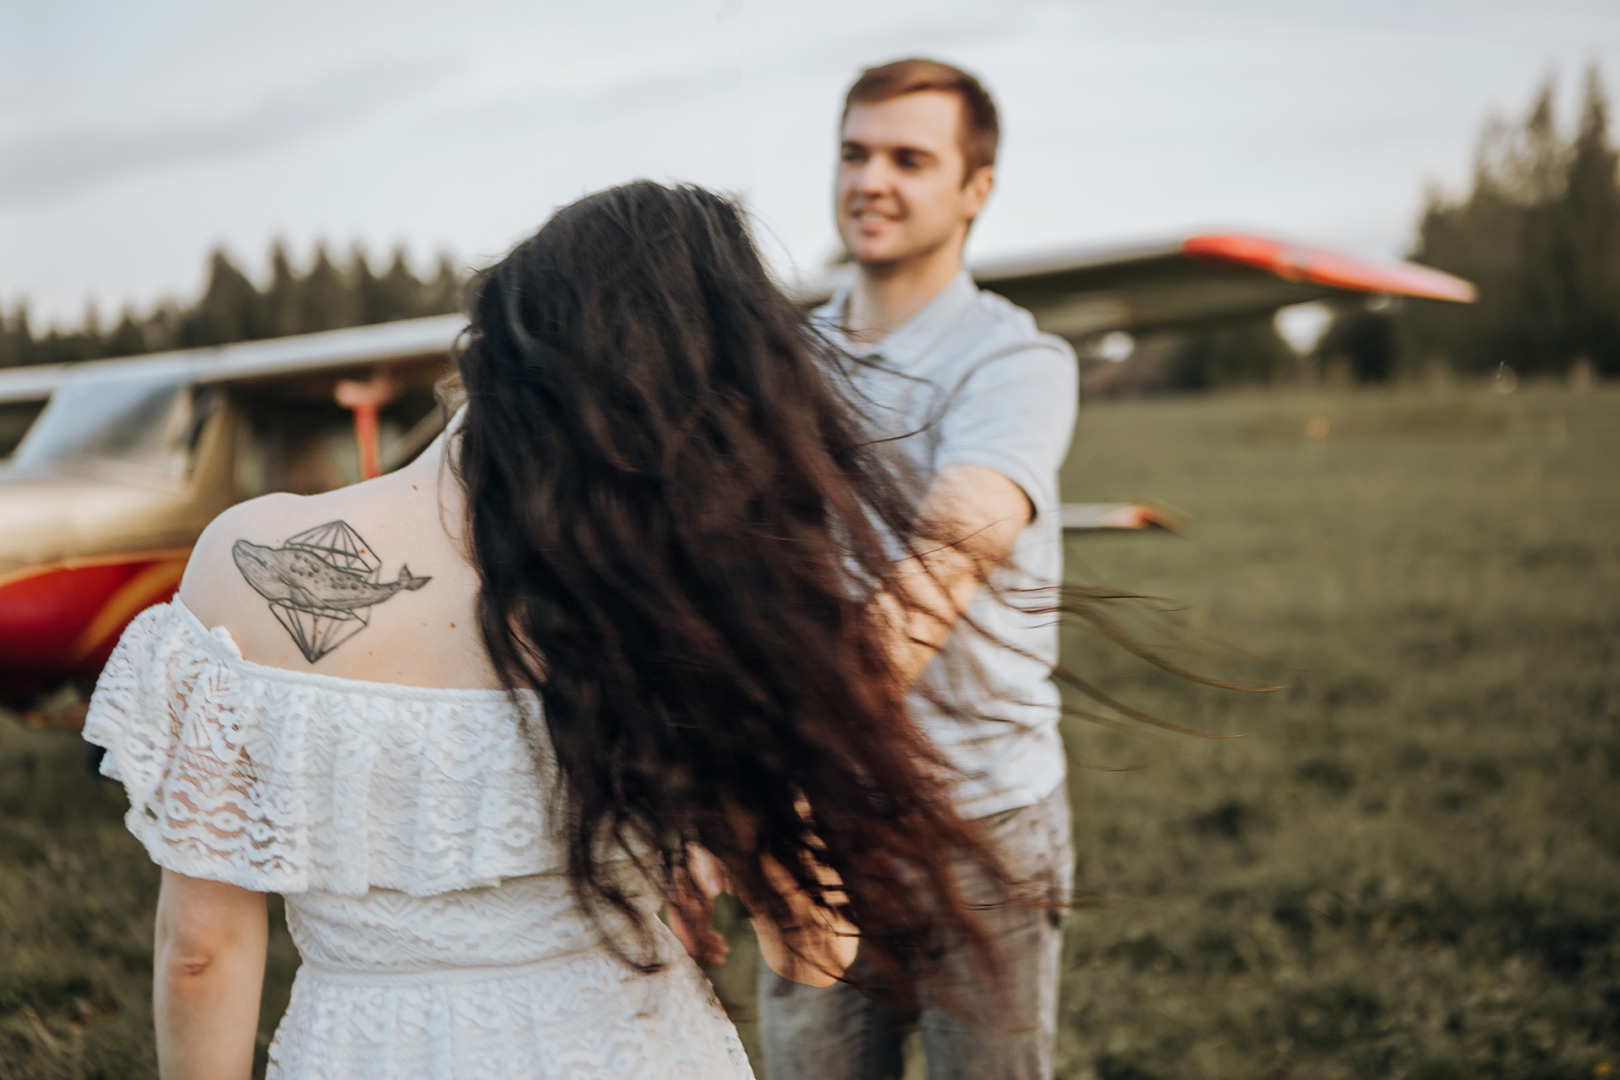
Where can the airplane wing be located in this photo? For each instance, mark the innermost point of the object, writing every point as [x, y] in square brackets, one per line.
[323, 357]
[1079, 292]
[1205, 277]
[32, 383]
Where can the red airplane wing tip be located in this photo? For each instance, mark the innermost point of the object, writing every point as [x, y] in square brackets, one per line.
[1328, 269]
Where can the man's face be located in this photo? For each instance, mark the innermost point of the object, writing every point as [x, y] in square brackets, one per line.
[900, 192]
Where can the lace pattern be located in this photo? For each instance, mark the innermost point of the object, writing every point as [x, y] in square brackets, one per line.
[287, 782]
[581, 1018]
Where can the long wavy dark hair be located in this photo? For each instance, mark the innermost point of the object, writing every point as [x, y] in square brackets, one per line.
[679, 528]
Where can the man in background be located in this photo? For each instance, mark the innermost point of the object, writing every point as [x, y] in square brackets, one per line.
[983, 404]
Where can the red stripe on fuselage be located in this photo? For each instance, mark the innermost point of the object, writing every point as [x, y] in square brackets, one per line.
[62, 620]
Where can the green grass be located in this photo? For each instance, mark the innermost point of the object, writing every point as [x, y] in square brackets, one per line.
[1409, 866]
[77, 896]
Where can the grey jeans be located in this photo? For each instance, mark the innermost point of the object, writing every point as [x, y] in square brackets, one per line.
[838, 1034]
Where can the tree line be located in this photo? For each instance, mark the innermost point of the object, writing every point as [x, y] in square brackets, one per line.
[1539, 234]
[327, 295]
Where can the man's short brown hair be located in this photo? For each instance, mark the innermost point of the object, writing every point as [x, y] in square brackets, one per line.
[980, 129]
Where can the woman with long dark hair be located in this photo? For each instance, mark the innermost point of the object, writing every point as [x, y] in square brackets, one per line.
[470, 717]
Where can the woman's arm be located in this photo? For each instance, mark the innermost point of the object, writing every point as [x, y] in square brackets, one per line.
[817, 945]
[207, 973]
[814, 947]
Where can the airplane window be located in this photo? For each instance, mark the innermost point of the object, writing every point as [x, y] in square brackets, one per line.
[142, 421]
[16, 417]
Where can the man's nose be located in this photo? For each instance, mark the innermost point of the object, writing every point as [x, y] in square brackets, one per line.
[871, 176]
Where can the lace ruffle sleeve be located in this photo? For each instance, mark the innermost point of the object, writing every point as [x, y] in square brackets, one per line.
[163, 712]
[288, 782]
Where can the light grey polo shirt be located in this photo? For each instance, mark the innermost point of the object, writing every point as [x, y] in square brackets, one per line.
[970, 380]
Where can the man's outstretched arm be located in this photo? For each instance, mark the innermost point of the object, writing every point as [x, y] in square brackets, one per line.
[982, 512]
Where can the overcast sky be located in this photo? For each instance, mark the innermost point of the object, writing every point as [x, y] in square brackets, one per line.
[133, 136]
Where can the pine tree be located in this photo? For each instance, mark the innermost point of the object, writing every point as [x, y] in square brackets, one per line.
[229, 309]
[443, 293]
[127, 339]
[162, 328]
[326, 302]
[22, 349]
[15, 341]
[90, 329]
[1542, 274]
[1539, 234]
[283, 313]
[369, 304]
[1590, 224]
[401, 295]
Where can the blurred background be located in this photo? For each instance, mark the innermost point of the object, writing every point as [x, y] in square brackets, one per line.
[1408, 866]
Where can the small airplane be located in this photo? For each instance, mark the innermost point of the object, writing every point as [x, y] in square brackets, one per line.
[130, 458]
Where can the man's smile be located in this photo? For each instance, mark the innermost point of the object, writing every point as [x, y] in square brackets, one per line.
[869, 219]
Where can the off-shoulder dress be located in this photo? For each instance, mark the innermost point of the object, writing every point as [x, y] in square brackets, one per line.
[407, 830]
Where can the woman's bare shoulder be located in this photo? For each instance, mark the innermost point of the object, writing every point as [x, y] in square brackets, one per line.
[293, 578]
[210, 569]
[279, 520]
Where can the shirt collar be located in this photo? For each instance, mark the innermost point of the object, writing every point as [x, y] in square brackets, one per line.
[917, 335]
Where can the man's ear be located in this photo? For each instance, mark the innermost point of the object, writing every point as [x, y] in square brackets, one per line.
[976, 189]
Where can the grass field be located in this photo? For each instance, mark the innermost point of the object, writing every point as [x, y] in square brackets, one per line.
[1409, 866]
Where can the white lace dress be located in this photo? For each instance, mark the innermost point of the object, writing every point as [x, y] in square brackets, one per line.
[406, 828]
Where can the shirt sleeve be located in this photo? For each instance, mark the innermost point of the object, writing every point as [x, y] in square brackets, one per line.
[1014, 412]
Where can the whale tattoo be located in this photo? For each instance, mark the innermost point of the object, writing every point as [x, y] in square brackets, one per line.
[301, 579]
[321, 584]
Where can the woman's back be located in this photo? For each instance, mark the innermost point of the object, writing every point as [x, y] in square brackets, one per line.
[338, 737]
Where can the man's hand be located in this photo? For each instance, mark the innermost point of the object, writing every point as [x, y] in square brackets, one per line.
[691, 909]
